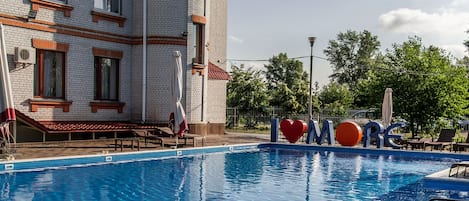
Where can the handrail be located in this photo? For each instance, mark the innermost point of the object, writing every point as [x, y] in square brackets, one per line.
[459, 170]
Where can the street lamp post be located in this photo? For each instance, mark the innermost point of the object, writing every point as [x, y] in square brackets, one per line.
[310, 97]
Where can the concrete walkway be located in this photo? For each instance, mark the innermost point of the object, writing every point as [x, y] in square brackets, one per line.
[89, 147]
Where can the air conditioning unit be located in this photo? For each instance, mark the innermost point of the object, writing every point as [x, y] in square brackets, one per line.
[25, 55]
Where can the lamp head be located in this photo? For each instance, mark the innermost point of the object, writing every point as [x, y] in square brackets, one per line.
[311, 40]
[32, 14]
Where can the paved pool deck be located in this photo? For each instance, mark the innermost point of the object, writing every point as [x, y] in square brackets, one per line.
[90, 147]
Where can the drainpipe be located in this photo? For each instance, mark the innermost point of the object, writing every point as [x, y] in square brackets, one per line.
[203, 89]
[144, 65]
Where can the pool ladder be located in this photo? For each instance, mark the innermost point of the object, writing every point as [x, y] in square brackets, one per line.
[459, 170]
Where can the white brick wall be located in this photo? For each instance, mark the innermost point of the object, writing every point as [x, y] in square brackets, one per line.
[14, 7]
[159, 103]
[166, 18]
[217, 55]
[218, 31]
[217, 101]
[79, 76]
[197, 85]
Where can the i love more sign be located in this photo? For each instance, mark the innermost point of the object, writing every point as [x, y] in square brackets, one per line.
[347, 133]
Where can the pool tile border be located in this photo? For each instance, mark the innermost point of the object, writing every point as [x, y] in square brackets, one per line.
[70, 161]
[58, 162]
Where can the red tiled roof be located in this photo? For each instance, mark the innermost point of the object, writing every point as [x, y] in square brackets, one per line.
[30, 121]
[217, 73]
[93, 126]
[82, 126]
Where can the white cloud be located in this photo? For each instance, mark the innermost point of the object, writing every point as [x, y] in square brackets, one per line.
[460, 4]
[445, 27]
[235, 39]
[416, 21]
[457, 51]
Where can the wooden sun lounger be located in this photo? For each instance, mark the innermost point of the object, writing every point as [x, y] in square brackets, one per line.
[148, 136]
[444, 139]
[194, 138]
[166, 131]
[417, 144]
[461, 145]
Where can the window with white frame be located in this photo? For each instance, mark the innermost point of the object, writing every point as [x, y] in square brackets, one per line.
[114, 6]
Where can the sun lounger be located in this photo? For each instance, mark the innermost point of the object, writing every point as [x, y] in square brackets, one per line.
[461, 145]
[166, 131]
[119, 142]
[148, 136]
[444, 139]
[417, 143]
[460, 170]
[194, 138]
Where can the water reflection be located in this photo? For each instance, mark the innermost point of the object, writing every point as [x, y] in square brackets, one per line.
[273, 174]
[316, 175]
[243, 168]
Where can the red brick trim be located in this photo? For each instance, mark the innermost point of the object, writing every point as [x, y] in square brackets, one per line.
[162, 40]
[50, 45]
[107, 53]
[104, 16]
[35, 104]
[51, 27]
[198, 68]
[119, 106]
[36, 4]
[199, 19]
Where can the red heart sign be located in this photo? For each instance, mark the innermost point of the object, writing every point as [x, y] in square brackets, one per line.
[293, 130]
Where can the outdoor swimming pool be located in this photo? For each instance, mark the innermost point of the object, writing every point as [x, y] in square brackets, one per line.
[265, 173]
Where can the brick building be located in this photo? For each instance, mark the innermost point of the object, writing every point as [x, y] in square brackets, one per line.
[80, 66]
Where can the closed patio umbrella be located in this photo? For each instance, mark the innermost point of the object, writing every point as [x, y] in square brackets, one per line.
[7, 111]
[386, 110]
[180, 123]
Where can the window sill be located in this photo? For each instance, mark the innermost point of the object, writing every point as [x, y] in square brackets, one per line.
[198, 68]
[35, 104]
[66, 9]
[108, 17]
[119, 106]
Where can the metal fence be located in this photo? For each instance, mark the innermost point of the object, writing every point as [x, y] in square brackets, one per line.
[238, 121]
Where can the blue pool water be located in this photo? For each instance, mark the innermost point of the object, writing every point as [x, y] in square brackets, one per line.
[269, 174]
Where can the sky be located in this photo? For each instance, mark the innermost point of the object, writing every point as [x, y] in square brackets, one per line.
[260, 29]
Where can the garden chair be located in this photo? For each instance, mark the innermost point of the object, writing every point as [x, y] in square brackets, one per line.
[444, 139]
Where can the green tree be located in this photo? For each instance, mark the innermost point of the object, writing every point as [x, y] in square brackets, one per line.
[247, 90]
[466, 43]
[426, 86]
[336, 99]
[465, 62]
[287, 83]
[351, 56]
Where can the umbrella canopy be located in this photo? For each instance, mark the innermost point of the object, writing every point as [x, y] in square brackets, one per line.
[180, 123]
[386, 110]
[7, 111]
